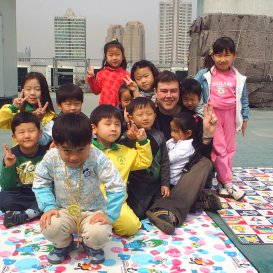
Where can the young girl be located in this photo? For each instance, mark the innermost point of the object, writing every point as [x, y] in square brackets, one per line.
[34, 98]
[225, 88]
[111, 76]
[180, 146]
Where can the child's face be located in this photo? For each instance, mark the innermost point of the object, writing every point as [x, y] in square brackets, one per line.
[224, 60]
[114, 57]
[71, 106]
[144, 117]
[27, 136]
[73, 156]
[144, 78]
[177, 134]
[32, 89]
[125, 98]
[190, 101]
[108, 131]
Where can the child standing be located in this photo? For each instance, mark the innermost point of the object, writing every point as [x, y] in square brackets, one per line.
[148, 185]
[106, 123]
[111, 76]
[34, 98]
[67, 187]
[17, 199]
[225, 88]
[69, 98]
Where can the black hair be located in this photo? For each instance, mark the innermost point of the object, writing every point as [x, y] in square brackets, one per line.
[104, 111]
[190, 85]
[72, 129]
[45, 96]
[121, 90]
[165, 76]
[185, 121]
[221, 44]
[138, 103]
[24, 117]
[142, 64]
[69, 91]
[117, 44]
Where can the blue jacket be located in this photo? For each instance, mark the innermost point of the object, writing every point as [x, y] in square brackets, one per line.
[242, 106]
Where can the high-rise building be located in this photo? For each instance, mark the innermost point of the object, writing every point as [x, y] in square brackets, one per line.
[134, 42]
[70, 36]
[174, 40]
[115, 32]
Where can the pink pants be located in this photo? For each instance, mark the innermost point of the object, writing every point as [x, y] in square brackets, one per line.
[224, 144]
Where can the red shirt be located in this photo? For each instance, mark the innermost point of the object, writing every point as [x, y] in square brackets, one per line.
[106, 83]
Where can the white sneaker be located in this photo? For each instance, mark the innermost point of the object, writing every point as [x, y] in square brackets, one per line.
[235, 192]
[222, 191]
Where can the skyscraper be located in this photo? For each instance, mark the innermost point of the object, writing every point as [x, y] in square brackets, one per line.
[134, 42]
[175, 20]
[115, 32]
[70, 36]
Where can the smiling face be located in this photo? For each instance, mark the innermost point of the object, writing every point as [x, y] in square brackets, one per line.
[224, 60]
[32, 89]
[107, 131]
[114, 57]
[144, 78]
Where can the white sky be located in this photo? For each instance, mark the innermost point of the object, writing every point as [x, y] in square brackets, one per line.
[35, 23]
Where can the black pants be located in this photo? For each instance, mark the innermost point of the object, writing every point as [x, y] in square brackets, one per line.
[21, 199]
[187, 190]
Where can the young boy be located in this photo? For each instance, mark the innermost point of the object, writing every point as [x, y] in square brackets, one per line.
[17, 171]
[148, 185]
[69, 98]
[67, 188]
[106, 122]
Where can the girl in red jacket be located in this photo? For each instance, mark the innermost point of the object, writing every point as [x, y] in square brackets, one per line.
[110, 77]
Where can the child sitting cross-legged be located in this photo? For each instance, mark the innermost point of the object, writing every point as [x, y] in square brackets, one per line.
[17, 171]
[106, 123]
[67, 187]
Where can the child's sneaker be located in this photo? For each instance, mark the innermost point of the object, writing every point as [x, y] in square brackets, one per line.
[57, 255]
[208, 201]
[235, 192]
[14, 218]
[96, 256]
[222, 191]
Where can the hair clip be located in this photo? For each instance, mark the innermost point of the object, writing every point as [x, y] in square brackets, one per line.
[114, 40]
[210, 51]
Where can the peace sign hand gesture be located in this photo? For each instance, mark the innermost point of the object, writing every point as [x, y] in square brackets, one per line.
[40, 111]
[132, 85]
[90, 72]
[10, 158]
[18, 102]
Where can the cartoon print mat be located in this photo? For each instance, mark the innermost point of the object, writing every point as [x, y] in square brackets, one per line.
[198, 246]
[252, 220]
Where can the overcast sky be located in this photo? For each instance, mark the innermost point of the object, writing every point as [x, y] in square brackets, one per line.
[35, 23]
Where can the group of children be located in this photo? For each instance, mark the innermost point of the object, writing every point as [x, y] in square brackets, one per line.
[106, 171]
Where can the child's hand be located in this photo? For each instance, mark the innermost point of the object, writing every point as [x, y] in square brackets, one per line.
[131, 132]
[165, 191]
[90, 72]
[10, 158]
[45, 219]
[40, 111]
[141, 134]
[132, 86]
[100, 217]
[18, 102]
[244, 127]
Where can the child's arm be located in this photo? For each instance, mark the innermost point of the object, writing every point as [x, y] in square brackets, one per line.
[245, 109]
[94, 82]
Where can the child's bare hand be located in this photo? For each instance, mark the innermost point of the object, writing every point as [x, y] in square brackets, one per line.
[10, 158]
[40, 111]
[90, 72]
[131, 132]
[141, 134]
[100, 217]
[132, 85]
[45, 219]
[244, 127]
[165, 191]
[18, 102]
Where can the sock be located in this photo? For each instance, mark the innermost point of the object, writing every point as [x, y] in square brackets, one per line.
[31, 213]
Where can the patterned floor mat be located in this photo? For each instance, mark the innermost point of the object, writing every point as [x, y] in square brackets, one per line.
[198, 246]
[252, 220]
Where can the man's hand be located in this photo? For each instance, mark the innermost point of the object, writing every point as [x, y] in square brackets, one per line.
[45, 219]
[9, 158]
[209, 122]
[100, 217]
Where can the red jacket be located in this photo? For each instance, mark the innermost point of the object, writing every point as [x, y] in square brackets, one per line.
[106, 83]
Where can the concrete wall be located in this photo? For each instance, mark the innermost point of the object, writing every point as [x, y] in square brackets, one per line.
[254, 7]
[8, 49]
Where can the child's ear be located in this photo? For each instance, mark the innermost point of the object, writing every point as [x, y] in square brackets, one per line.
[94, 129]
[189, 133]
